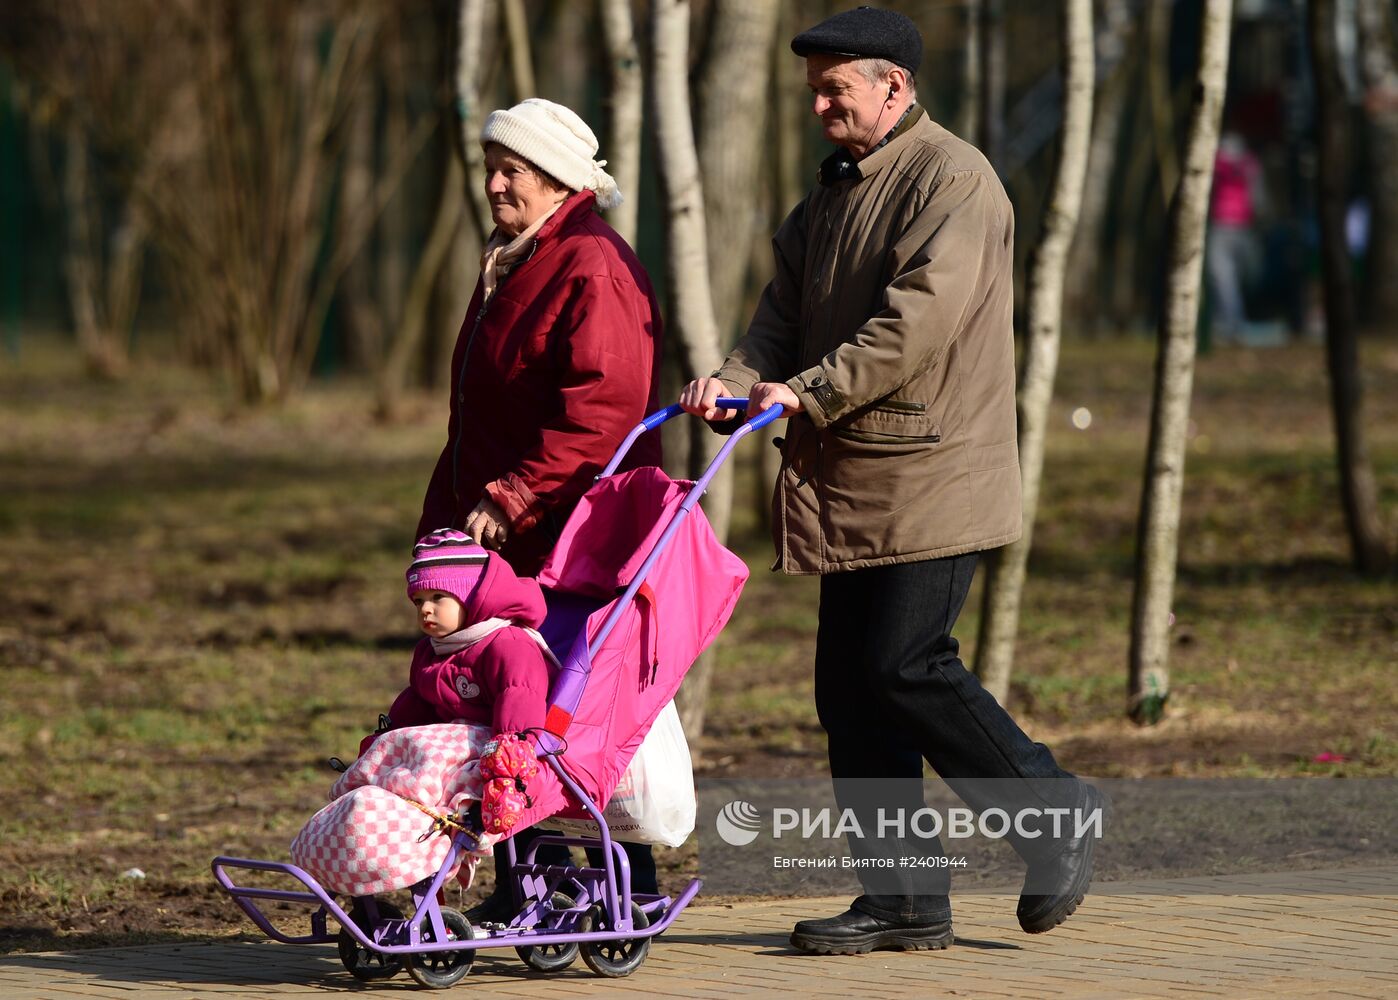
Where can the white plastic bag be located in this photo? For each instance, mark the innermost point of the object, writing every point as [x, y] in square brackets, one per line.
[654, 801]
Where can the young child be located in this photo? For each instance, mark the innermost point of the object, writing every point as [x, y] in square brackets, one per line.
[481, 659]
[481, 663]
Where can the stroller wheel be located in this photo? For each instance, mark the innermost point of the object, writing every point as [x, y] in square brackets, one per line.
[440, 969]
[363, 963]
[551, 957]
[614, 959]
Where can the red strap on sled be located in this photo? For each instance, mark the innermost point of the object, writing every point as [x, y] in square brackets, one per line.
[557, 720]
[646, 595]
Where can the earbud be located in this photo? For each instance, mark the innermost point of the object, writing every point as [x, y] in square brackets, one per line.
[890, 94]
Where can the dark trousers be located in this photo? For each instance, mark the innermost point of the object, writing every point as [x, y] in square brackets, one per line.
[640, 857]
[891, 692]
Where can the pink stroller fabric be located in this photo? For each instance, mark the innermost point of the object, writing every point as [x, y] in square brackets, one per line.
[686, 600]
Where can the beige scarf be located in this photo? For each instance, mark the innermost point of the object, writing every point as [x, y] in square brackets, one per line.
[503, 252]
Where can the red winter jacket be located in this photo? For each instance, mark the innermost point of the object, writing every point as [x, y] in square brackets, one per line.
[502, 681]
[546, 380]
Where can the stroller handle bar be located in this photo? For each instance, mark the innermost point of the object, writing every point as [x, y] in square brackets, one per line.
[584, 649]
[674, 410]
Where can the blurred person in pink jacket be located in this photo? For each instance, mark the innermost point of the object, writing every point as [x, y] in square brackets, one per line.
[1232, 254]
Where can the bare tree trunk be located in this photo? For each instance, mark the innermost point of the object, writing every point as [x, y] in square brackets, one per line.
[407, 340]
[692, 323]
[79, 266]
[391, 246]
[1133, 209]
[566, 68]
[363, 319]
[1358, 490]
[1084, 299]
[470, 35]
[521, 61]
[455, 284]
[103, 354]
[788, 78]
[968, 116]
[1162, 108]
[1381, 115]
[1157, 539]
[624, 142]
[990, 126]
[1043, 320]
[124, 270]
[732, 122]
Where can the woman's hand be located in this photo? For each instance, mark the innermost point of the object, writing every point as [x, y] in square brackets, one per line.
[487, 524]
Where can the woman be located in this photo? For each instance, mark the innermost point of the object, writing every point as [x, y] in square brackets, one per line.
[558, 359]
[559, 355]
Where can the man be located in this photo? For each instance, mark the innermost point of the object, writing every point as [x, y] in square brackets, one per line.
[886, 337]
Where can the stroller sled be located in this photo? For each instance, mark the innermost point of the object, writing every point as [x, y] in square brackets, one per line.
[637, 588]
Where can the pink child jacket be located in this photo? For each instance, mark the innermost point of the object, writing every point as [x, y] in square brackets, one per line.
[502, 681]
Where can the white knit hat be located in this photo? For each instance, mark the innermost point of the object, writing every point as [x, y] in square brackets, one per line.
[558, 142]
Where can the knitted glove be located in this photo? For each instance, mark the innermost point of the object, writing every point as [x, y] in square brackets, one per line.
[506, 766]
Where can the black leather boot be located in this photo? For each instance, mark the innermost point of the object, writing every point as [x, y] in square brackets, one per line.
[855, 932]
[499, 907]
[1068, 875]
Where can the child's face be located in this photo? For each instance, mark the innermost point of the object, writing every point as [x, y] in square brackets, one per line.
[439, 614]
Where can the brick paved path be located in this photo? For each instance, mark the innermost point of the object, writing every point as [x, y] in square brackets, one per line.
[1234, 936]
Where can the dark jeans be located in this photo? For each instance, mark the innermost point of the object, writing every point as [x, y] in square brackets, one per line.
[640, 856]
[892, 692]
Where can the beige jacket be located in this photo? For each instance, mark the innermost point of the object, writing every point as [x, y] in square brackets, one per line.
[892, 303]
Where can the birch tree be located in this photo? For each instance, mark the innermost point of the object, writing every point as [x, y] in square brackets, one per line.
[1088, 263]
[1043, 323]
[470, 32]
[1358, 490]
[692, 327]
[788, 170]
[733, 119]
[1157, 533]
[624, 140]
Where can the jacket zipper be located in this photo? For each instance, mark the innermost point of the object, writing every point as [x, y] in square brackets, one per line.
[902, 406]
[870, 437]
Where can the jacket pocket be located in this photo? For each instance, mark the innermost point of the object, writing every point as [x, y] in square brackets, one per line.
[892, 422]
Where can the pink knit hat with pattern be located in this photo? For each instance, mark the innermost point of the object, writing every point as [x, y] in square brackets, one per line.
[448, 561]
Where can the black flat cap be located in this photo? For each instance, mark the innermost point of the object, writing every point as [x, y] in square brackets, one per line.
[864, 33]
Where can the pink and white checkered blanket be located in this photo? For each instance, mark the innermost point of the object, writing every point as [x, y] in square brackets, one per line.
[369, 839]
